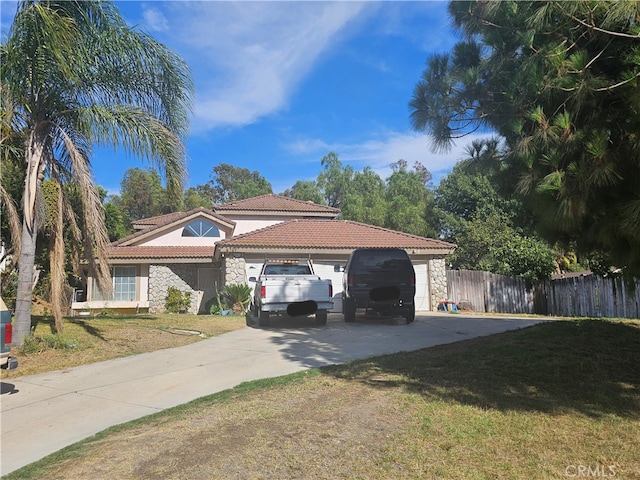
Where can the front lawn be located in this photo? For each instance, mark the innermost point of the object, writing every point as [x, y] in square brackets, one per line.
[556, 400]
[94, 339]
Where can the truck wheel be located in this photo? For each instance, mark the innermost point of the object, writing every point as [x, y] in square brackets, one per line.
[321, 317]
[263, 319]
[412, 314]
[349, 310]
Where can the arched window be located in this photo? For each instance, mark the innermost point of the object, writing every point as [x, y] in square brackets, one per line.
[201, 228]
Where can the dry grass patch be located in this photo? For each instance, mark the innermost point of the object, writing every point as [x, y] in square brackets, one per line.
[90, 340]
[534, 403]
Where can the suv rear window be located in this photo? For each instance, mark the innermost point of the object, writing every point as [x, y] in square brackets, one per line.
[380, 260]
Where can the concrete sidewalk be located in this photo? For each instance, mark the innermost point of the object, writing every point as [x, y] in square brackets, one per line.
[43, 413]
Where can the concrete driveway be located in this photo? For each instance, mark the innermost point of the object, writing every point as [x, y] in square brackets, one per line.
[43, 413]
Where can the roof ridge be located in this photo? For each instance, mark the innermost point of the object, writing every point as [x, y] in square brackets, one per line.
[232, 202]
[251, 200]
[410, 235]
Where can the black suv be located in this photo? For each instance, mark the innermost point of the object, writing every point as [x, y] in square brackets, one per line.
[379, 279]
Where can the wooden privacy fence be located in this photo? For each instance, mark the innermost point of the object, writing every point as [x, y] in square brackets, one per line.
[584, 296]
[489, 292]
[589, 296]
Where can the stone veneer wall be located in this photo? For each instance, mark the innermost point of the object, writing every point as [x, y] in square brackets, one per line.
[234, 269]
[438, 280]
[181, 276]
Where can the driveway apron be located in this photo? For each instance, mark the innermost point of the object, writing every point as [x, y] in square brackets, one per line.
[43, 413]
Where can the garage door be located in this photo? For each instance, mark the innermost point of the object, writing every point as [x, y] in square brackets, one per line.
[326, 271]
[422, 287]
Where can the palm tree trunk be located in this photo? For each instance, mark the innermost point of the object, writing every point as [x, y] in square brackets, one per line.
[22, 321]
[34, 158]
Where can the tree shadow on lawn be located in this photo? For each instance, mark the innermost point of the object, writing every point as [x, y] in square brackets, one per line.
[50, 322]
[586, 366]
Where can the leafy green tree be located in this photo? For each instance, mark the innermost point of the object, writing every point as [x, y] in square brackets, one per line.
[490, 243]
[114, 222]
[409, 200]
[493, 233]
[365, 199]
[198, 196]
[334, 180]
[308, 191]
[76, 75]
[229, 183]
[114, 219]
[558, 82]
[142, 195]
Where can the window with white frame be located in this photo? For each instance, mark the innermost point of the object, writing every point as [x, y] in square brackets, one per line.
[124, 283]
[123, 279]
[200, 228]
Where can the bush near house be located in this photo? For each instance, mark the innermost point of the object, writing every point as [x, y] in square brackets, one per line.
[177, 301]
[237, 296]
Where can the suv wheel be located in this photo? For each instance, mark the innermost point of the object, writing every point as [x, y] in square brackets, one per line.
[411, 316]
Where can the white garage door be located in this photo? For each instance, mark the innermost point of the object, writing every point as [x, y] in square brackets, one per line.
[326, 271]
[422, 287]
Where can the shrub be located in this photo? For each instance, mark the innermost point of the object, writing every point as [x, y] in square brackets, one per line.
[237, 296]
[176, 301]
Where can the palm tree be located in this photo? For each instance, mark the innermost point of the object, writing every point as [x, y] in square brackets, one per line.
[75, 75]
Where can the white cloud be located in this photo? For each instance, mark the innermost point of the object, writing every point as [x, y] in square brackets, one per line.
[387, 148]
[155, 20]
[248, 57]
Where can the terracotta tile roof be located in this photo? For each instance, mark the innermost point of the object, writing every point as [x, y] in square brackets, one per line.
[155, 223]
[276, 203]
[331, 235]
[159, 220]
[157, 252]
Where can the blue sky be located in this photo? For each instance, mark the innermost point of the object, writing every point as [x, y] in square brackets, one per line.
[281, 84]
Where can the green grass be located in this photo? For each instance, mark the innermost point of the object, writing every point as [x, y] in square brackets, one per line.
[540, 403]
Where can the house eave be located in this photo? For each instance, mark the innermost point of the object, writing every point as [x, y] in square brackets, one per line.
[162, 260]
[233, 249]
[275, 213]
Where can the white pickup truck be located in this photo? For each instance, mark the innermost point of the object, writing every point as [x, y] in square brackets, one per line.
[290, 286]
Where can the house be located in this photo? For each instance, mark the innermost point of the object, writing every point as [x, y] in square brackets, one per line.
[203, 249]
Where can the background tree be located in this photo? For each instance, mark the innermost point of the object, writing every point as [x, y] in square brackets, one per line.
[77, 75]
[494, 233]
[490, 243]
[307, 190]
[198, 196]
[229, 183]
[142, 196]
[558, 82]
[409, 200]
[364, 200]
[334, 179]
[114, 219]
